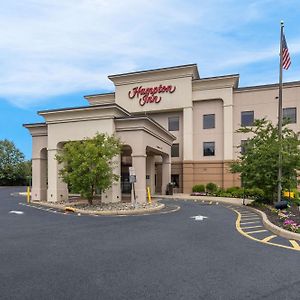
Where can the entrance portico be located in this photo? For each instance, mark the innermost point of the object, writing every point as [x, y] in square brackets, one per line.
[146, 139]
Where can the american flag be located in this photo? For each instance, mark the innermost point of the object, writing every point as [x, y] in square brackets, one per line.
[286, 61]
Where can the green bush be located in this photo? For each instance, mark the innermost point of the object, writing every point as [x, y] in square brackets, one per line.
[225, 194]
[218, 192]
[296, 202]
[199, 188]
[233, 189]
[238, 192]
[255, 193]
[211, 187]
[235, 192]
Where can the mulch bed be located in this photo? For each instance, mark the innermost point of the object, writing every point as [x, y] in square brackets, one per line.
[97, 205]
[293, 213]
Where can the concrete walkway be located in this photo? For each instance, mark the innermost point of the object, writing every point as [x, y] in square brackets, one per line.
[181, 196]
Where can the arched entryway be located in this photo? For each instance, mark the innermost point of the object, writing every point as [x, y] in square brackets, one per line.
[40, 178]
[126, 162]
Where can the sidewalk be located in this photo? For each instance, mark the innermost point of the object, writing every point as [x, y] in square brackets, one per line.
[181, 196]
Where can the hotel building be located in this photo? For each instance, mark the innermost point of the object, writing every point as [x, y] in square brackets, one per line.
[174, 125]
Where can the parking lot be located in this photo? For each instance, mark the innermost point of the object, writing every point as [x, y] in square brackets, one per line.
[47, 255]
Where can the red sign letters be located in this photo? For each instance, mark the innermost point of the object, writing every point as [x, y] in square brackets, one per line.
[150, 94]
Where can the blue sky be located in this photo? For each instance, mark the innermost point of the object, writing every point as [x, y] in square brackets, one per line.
[54, 52]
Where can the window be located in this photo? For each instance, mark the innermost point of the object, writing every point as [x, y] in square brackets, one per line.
[208, 148]
[175, 150]
[173, 123]
[243, 146]
[175, 180]
[247, 118]
[209, 121]
[290, 114]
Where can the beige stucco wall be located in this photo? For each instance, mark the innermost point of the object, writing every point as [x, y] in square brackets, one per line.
[201, 135]
[263, 102]
[163, 119]
[181, 97]
[203, 92]
[76, 131]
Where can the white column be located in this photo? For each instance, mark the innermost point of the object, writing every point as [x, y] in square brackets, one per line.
[139, 164]
[39, 179]
[166, 173]
[57, 189]
[150, 173]
[228, 130]
[188, 133]
[113, 194]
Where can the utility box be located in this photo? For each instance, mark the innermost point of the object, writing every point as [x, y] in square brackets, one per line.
[169, 190]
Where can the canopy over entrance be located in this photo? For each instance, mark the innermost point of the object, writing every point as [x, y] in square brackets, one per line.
[147, 140]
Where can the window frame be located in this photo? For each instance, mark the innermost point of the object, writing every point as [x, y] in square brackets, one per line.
[248, 124]
[176, 127]
[214, 121]
[204, 149]
[172, 149]
[292, 121]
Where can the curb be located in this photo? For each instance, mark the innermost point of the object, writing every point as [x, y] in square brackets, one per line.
[270, 226]
[230, 201]
[277, 230]
[106, 212]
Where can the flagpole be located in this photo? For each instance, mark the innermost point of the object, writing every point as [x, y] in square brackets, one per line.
[280, 118]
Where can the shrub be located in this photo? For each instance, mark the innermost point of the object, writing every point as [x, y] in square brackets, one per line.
[199, 188]
[232, 189]
[296, 202]
[255, 193]
[238, 193]
[218, 192]
[235, 192]
[211, 187]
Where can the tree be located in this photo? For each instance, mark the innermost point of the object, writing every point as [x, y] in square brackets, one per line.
[13, 167]
[88, 164]
[258, 163]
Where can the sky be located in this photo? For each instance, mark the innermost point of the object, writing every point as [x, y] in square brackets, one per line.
[53, 52]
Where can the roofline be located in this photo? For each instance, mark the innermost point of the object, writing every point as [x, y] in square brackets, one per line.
[30, 125]
[219, 77]
[154, 70]
[233, 77]
[96, 95]
[290, 83]
[42, 112]
[149, 119]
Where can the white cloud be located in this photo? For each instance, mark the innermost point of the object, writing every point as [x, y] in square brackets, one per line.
[50, 48]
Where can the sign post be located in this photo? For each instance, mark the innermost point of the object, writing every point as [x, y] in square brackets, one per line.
[132, 180]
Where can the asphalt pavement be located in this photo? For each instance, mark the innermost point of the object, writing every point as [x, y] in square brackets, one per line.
[47, 255]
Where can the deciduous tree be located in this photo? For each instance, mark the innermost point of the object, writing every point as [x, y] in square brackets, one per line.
[88, 164]
[258, 164]
[13, 167]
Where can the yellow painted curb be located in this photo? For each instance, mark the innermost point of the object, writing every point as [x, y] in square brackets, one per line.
[263, 241]
[277, 230]
[69, 208]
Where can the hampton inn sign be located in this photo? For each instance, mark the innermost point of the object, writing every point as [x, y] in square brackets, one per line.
[150, 94]
[188, 137]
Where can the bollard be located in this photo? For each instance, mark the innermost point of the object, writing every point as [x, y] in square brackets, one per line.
[149, 195]
[28, 194]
